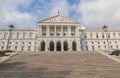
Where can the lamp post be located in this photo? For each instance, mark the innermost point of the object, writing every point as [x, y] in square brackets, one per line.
[11, 27]
[82, 39]
[105, 29]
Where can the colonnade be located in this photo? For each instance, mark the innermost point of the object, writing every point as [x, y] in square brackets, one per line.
[58, 29]
[58, 46]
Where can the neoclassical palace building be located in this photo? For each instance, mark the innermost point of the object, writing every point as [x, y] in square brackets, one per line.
[59, 33]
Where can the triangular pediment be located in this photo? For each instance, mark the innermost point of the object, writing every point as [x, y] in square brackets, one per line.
[58, 18]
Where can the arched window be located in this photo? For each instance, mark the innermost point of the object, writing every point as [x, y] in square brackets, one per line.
[65, 46]
[58, 46]
[42, 46]
[74, 46]
[51, 46]
[92, 42]
[93, 48]
[97, 35]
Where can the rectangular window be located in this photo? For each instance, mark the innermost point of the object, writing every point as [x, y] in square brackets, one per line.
[115, 42]
[29, 48]
[29, 42]
[92, 42]
[58, 34]
[3, 43]
[22, 48]
[103, 36]
[16, 42]
[64, 34]
[97, 36]
[24, 35]
[11, 35]
[5, 35]
[99, 47]
[10, 42]
[2, 47]
[52, 34]
[117, 46]
[111, 47]
[91, 35]
[108, 35]
[23, 42]
[93, 48]
[72, 34]
[18, 34]
[86, 47]
[85, 36]
[15, 47]
[105, 47]
[44, 34]
[104, 42]
[31, 35]
[98, 42]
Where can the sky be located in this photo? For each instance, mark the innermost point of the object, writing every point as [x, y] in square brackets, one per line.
[93, 14]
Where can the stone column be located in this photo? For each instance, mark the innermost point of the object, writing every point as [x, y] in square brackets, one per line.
[70, 45]
[61, 45]
[76, 31]
[55, 46]
[78, 45]
[48, 31]
[61, 31]
[68, 31]
[46, 45]
[55, 31]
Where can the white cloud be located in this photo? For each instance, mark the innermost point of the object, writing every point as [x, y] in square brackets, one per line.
[10, 14]
[90, 13]
[99, 12]
[61, 5]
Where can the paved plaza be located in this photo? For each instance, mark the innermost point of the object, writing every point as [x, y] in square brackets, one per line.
[60, 65]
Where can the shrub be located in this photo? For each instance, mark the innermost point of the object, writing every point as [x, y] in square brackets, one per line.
[9, 51]
[2, 53]
[116, 53]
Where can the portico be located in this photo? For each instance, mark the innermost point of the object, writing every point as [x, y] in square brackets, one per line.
[59, 34]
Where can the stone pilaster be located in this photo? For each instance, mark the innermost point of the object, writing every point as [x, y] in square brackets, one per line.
[40, 31]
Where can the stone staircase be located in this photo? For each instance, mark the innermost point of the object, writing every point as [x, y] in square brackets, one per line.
[60, 65]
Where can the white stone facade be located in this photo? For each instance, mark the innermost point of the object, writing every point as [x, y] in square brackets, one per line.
[59, 33]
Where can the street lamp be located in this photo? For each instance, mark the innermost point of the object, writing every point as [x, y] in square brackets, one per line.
[105, 29]
[82, 39]
[11, 27]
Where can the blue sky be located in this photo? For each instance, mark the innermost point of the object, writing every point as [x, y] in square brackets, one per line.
[25, 14]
